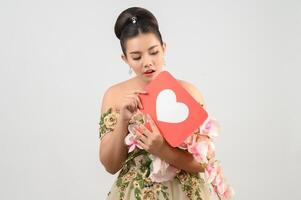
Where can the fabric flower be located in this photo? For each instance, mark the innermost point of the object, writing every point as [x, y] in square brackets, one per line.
[149, 194]
[228, 194]
[219, 184]
[110, 120]
[211, 171]
[131, 142]
[199, 150]
[210, 127]
[214, 175]
[160, 170]
[138, 118]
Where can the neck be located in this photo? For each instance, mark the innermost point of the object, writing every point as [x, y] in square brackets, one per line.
[140, 82]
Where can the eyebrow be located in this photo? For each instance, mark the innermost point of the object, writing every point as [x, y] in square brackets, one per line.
[133, 52]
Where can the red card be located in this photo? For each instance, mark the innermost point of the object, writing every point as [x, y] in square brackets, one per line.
[176, 113]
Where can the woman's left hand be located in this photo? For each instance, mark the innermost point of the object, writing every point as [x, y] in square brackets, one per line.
[151, 141]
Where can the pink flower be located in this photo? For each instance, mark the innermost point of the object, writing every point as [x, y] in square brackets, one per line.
[188, 141]
[228, 194]
[199, 150]
[132, 142]
[210, 127]
[211, 171]
[221, 187]
[161, 171]
[219, 184]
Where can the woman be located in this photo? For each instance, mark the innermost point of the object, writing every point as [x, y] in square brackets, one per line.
[150, 167]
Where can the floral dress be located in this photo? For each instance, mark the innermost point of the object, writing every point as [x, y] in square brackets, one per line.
[144, 176]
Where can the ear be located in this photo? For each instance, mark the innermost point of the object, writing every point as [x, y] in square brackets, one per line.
[124, 59]
[164, 47]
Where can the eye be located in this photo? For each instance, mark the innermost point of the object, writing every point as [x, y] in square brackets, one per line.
[154, 53]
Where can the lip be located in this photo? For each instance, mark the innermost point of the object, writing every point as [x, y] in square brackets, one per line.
[149, 74]
[149, 70]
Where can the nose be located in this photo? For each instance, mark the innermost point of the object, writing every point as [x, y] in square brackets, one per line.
[147, 66]
[147, 62]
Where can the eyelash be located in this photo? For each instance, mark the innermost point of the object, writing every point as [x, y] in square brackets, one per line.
[151, 54]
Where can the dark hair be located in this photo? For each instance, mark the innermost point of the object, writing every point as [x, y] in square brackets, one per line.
[146, 23]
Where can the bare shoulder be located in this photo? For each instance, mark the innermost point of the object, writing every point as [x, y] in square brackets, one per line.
[193, 91]
[112, 95]
[107, 100]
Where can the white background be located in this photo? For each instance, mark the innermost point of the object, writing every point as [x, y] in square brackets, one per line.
[58, 57]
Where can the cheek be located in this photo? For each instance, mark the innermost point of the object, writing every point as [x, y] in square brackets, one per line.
[135, 65]
[159, 61]
[137, 68]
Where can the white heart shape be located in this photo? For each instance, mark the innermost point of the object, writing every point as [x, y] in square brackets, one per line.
[168, 109]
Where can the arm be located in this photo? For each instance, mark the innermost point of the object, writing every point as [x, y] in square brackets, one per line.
[180, 159]
[112, 150]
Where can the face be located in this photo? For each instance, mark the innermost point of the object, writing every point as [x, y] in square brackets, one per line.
[145, 55]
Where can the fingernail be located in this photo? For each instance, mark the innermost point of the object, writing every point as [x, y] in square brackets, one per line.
[135, 130]
[136, 127]
[132, 129]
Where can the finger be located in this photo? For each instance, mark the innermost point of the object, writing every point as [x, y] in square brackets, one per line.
[133, 102]
[144, 146]
[131, 107]
[212, 155]
[140, 135]
[137, 92]
[152, 123]
[140, 92]
[202, 138]
[143, 130]
[139, 102]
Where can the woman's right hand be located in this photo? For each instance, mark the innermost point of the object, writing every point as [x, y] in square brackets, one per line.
[130, 103]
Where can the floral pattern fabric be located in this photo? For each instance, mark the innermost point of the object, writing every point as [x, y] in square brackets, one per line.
[144, 176]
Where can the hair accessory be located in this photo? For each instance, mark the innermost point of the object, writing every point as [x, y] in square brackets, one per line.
[134, 20]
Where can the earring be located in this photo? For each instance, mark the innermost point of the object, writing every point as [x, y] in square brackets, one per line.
[130, 71]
